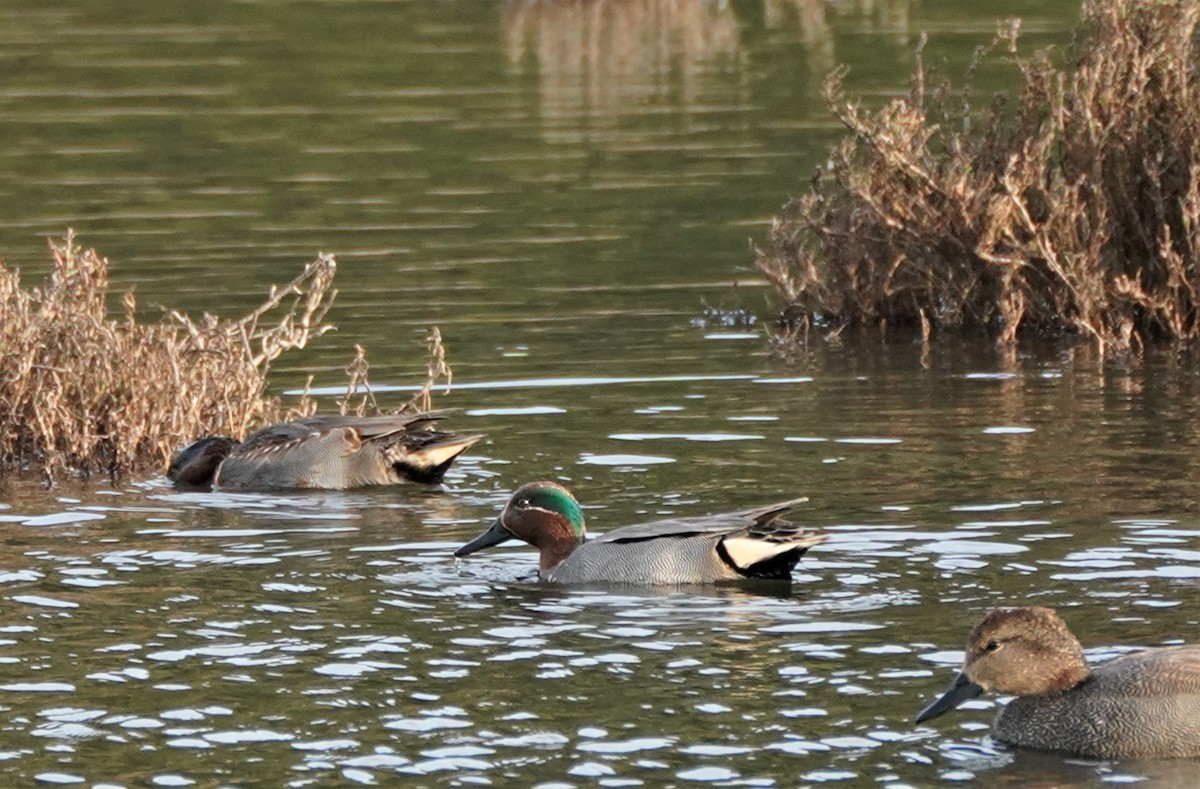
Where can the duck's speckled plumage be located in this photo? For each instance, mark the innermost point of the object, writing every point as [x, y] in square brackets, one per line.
[708, 549]
[327, 452]
[1141, 705]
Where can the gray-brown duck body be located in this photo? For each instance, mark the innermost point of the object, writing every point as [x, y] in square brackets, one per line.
[329, 452]
[708, 549]
[1144, 705]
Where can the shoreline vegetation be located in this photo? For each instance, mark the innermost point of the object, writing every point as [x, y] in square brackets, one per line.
[1075, 212]
[86, 393]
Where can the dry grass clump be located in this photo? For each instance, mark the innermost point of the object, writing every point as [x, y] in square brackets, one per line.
[82, 392]
[359, 399]
[1076, 211]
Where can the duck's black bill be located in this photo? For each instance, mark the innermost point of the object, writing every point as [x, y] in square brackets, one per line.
[495, 535]
[960, 690]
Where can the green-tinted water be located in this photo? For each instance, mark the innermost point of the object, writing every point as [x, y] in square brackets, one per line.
[562, 187]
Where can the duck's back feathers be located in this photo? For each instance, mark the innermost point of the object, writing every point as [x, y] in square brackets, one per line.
[367, 428]
[761, 518]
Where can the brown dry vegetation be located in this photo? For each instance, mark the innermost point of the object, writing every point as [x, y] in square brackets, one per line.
[1076, 211]
[82, 392]
[360, 398]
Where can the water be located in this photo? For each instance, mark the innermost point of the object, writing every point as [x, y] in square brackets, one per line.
[563, 189]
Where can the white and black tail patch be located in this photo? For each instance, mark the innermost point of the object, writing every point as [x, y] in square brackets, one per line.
[427, 461]
[746, 552]
[768, 549]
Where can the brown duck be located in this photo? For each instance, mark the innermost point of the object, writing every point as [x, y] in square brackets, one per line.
[1142, 705]
[328, 452]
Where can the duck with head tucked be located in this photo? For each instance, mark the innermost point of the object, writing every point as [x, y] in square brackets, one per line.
[1143, 705]
[328, 452]
[708, 549]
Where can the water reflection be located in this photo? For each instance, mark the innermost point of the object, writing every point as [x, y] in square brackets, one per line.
[600, 61]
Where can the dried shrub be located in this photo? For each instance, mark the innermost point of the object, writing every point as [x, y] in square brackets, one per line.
[358, 384]
[359, 398]
[82, 392]
[437, 370]
[1076, 211]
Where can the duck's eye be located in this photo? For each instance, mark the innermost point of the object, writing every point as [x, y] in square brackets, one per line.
[991, 646]
[522, 503]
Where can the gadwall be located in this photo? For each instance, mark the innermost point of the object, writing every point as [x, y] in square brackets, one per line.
[329, 452]
[753, 544]
[1142, 705]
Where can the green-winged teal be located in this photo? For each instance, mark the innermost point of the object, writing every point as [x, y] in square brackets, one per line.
[1141, 705]
[753, 544]
[328, 452]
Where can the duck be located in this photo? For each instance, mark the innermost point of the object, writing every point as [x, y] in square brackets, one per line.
[1143, 705]
[678, 551]
[328, 452]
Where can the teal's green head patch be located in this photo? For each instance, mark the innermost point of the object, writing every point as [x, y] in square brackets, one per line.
[554, 498]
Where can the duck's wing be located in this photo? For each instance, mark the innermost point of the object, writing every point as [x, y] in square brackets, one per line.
[355, 429]
[408, 444]
[763, 520]
[1153, 672]
[367, 427]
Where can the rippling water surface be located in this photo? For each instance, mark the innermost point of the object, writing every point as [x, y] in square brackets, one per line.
[567, 190]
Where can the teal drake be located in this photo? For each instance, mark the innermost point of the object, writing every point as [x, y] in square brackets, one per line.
[1144, 705]
[731, 547]
[328, 452]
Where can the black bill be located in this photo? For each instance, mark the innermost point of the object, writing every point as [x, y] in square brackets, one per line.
[495, 534]
[960, 690]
